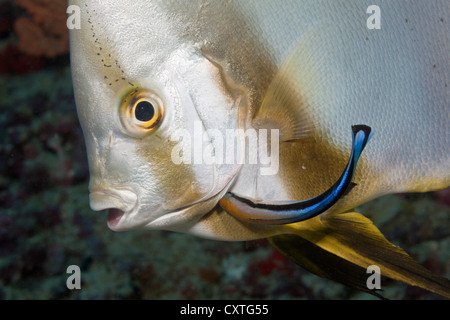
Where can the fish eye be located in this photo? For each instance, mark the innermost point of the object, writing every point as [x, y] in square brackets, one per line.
[144, 111]
[141, 112]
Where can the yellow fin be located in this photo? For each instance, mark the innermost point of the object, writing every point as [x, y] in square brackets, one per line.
[299, 85]
[352, 237]
[321, 262]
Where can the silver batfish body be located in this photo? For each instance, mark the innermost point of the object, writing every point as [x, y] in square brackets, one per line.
[215, 67]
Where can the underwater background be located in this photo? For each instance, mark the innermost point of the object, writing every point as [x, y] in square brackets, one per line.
[46, 224]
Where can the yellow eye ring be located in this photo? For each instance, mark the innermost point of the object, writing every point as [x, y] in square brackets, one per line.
[141, 112]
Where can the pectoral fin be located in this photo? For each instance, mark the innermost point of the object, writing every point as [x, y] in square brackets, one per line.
[299, 88]
[342, 246]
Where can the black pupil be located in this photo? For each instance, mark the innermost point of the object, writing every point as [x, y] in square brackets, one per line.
[144, 111]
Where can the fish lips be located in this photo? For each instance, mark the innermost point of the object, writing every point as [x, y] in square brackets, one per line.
[119, 202]
[123, 205]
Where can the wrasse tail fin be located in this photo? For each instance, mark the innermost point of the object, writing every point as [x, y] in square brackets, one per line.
[284, 213]
[342, 246]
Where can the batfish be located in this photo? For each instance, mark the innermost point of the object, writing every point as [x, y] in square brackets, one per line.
[237, 120]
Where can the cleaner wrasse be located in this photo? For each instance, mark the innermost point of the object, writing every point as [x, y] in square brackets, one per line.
[184, 105]
[276, 213]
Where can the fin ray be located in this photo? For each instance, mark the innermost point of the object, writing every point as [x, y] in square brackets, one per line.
[321, 262]
[353, 237]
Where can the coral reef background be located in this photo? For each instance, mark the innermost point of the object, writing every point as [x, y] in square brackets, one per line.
[46, 224]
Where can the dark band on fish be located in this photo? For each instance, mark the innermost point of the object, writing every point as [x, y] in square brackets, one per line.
[276, 213]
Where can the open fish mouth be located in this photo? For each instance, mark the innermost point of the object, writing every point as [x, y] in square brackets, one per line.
[126, 212]
[123, 210]
[114, 216]
[119, 202]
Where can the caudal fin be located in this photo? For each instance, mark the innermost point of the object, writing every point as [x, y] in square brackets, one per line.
[342, 246]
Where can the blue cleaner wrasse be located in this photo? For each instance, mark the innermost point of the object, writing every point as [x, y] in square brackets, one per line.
[276, 213]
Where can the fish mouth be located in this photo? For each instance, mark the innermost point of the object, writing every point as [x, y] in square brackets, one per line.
[123, 204]
[124, 207]
[114, 216]
[119, 202]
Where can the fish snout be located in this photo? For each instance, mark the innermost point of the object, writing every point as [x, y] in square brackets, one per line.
[119, 201]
